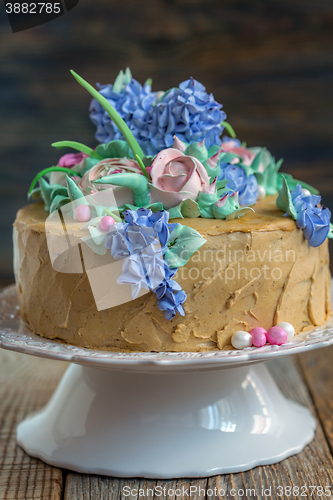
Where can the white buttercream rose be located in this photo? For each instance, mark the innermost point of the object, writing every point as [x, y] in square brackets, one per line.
[106, 167]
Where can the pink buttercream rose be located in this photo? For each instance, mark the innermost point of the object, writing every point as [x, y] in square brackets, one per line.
[106, 167]
[246, 155]
[71, 159]
[176, 177]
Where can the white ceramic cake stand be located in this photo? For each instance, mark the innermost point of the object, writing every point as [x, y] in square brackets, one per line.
[162, 415]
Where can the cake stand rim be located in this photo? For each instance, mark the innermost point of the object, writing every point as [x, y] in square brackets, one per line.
[29, 343]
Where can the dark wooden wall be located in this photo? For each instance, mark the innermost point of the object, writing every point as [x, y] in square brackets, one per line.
[269, 62]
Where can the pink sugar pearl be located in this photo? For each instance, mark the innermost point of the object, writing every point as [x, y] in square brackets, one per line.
[258, 336]
[106, 222]
[82, 213]
[277, 335]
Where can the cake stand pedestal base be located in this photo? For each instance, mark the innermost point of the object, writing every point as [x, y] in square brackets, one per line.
[166, 425]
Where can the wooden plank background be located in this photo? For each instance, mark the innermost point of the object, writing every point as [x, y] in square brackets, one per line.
[269, 63]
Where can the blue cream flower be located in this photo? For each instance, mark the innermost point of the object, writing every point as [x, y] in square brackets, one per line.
[312, 218]
[188, 112]
[132, 103]
[246, 186]
[141, 242]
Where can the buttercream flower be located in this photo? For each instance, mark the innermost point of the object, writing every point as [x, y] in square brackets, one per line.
[176, 177]
[132, 101]
[106, 167]
[70, 159]
[246, 186]
[312, 218]
[234, 146]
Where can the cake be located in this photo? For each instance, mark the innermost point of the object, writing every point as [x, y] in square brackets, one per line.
[167, 237]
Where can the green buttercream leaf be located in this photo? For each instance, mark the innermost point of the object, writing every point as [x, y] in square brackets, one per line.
[48, 171]
[46, 193]
[284, 201]
[74, 192]
[213, 150]
[142, 166]
[58, 189]
[154, 207]
[121, 80]
[114, 149]
[79, 147]
[58, 202]
[206, 202]
[186, 208]
[330, 232]
[35, 194]
[109, 212]
[239, 213]
[175, 212]
[292, 183]
[190, 208]
[229, 129]
[118, 121]
[257, 160]
[136, 182]
[182, 243]
[198, 150]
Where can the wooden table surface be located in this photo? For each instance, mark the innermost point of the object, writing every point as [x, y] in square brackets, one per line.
[27, 382]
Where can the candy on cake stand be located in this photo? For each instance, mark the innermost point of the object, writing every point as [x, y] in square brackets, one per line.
[162, 415]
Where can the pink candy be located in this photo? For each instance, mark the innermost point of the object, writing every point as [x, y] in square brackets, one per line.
[258, 336]
[82, 213]
[106, 222]
[277, 336]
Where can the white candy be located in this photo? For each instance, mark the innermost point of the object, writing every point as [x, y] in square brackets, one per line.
[288, 328]
[241, 339]
[305, 192]
[261, 192]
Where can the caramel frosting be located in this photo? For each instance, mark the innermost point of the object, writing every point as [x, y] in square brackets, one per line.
[254, 271]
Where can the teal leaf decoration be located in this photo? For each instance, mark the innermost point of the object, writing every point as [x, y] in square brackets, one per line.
[35, 194]
[330, 232]
[122, 80]
[74, 192]
[79, 147]
[257, 160]
[143, 167]
[114, 149]
[206, 202]
[118, 121]
[46, 192]
[190, 208]
[284, 201]
[186, 208]
[58, 201]
[48, 171]
[239, 213]
[182, 243]
[229, 129]
[175, 212]
[292, 183]
[136, 182]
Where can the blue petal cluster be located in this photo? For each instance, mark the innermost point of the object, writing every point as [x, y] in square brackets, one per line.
[312, 218]
[188, 112]
[141, 241]
[247, 187]
[170, 295]
[132, 104]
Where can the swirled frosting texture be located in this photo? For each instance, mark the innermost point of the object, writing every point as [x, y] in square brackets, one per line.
[254, 271]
